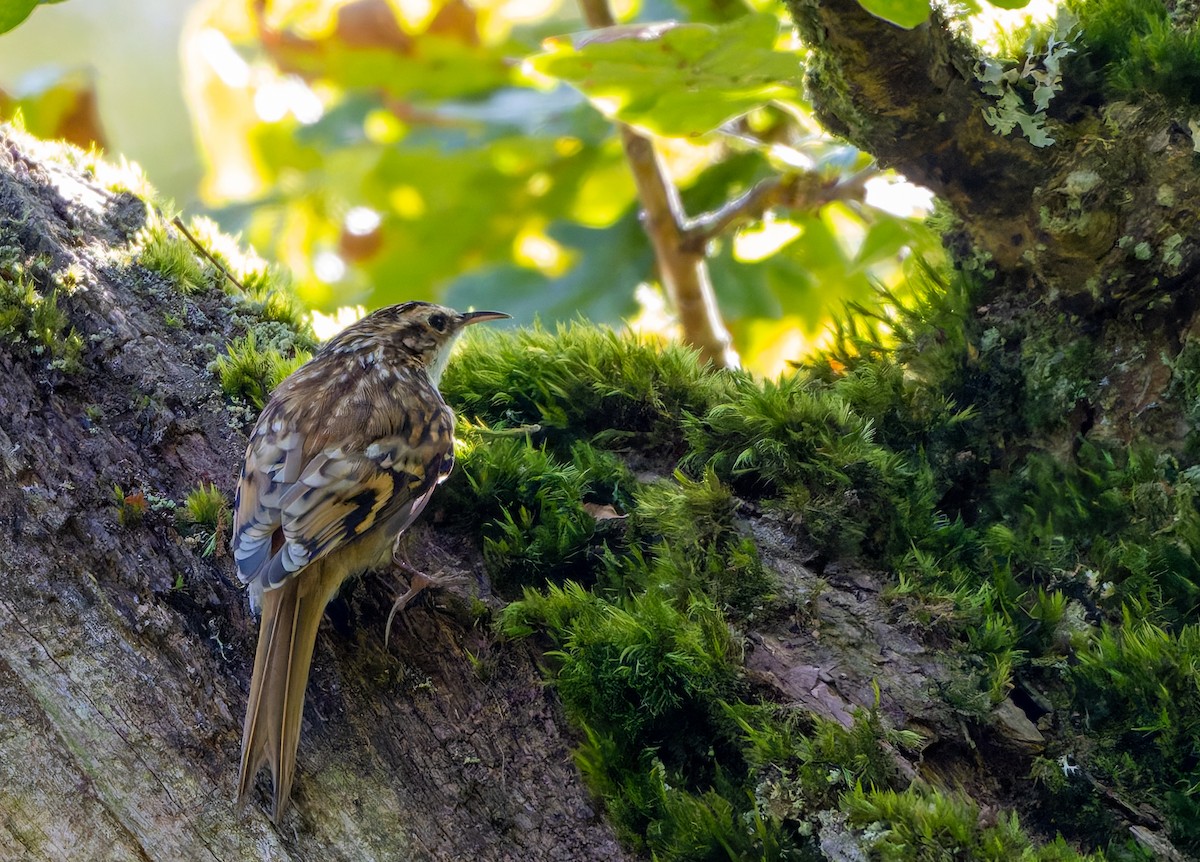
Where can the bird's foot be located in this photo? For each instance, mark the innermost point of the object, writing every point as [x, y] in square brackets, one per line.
[418, 581]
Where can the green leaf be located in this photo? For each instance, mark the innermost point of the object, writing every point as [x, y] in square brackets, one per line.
[884, 239]
[1010, 4]
[13, 12]
[58, 104]
[678, 80]
[905, 13]
[442, 68]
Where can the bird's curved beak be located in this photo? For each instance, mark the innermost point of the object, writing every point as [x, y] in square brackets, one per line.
[481, 316]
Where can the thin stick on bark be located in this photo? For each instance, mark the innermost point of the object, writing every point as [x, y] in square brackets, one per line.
[178, 222]
[682, 267]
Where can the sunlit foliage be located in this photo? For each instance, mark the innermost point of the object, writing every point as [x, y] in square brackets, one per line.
[384, 152]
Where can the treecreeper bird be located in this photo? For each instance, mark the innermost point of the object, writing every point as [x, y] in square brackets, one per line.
[344, 457]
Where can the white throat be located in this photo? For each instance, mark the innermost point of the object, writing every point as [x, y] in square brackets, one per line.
[438, 365]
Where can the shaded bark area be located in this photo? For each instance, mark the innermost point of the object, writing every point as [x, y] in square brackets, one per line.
[125, 654]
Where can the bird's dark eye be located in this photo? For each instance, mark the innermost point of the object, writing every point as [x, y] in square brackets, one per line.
[438, 322]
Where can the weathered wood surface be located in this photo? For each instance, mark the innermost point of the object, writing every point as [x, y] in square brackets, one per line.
[125, 654]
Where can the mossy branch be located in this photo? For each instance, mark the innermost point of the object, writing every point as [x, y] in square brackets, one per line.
[1036, 167]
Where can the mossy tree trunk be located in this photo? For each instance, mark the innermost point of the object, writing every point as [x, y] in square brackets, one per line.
[125, 653]
[1090, 242]
[125, 650]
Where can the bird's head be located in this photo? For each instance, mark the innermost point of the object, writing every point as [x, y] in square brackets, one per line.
[422, 331]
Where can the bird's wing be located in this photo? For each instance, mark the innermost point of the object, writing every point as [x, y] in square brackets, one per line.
[295, 505]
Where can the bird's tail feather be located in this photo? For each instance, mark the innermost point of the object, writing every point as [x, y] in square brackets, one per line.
[286, 637]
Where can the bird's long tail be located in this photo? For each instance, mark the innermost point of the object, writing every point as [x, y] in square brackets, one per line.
[291, 614]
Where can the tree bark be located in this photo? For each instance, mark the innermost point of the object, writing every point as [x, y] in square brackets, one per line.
[125, 654]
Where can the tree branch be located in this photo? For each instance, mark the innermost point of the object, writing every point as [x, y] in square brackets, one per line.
[804, 192]
[682, 268]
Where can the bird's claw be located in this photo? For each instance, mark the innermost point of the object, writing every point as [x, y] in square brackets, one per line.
[419, 581]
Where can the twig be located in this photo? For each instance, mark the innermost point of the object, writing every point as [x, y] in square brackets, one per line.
[684, 270]
[750, 206]
[178, 222]
[809, 191]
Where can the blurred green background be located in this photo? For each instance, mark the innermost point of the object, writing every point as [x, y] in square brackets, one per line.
[384, 150]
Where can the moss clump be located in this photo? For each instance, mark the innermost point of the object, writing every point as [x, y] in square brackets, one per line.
[27, 314]
[637, 669]
[581, 380]
[204, 258]
[1060, 372]
[206, 506]
[535, 528]
[1139, 45]
[262, 289]
[251, 372]
[1141, 684]
[1129, 518]
[804, 765]
[694, 547]
[531, 503]
[207, 512]
[1010, 555]
[164, 250]
[1185, 389]
[645, 679]
[806, 446]
[922, 825]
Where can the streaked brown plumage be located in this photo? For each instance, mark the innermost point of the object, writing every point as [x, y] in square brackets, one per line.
[343, 458]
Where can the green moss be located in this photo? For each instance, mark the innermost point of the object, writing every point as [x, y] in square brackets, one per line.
[1140, 683]
[644, 678]
[262, 291]
[807, 446]
[251, 372]
[1061, 370]
[923, 825]
[270, 296]
[528, 504]
[694, 547]
[1130, 518]
[164, 250]
[28, 315]
[1135, 46]
[581, 380]
[1008, 557]
[804, 765]
[207, 514]
[638, 669]
[1185, 386]
[206, 506]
